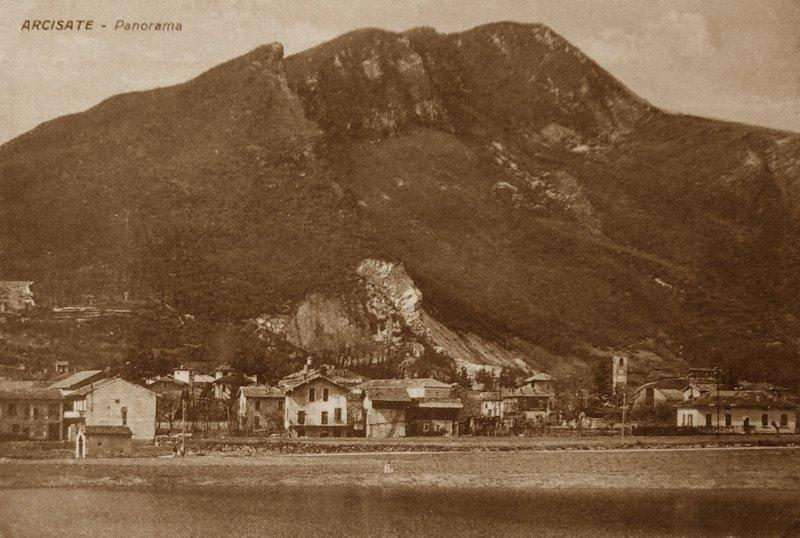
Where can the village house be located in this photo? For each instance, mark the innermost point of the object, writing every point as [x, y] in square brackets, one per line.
[195, 373]
[491, 404]
[15, 295]
[227, 382]
[112, 402]
[527, 403]
[317, 401]
[401, 407]
[261, 408]
[30, 412]
[103, 442]
[542, 382]
[738, 411]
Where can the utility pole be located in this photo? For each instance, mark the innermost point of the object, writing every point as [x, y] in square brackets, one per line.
[624, 406]
[716, 376]
[183, 424]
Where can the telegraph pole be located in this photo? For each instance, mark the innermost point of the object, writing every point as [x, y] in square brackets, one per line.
[183, 424]
[624, 406]
[716, 376]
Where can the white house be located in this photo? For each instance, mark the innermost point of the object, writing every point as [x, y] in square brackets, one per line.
[738, 411]
[113, 402]
[316, 402]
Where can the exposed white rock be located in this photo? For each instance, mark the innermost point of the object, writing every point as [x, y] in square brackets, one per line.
[372, 68]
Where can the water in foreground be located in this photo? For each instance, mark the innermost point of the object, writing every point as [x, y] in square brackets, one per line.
[397, 511]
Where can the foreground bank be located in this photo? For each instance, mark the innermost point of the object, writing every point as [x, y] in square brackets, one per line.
[736, 468]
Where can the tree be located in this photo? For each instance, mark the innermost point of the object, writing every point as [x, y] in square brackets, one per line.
[485, 377]
[462, 378]
[511, 378]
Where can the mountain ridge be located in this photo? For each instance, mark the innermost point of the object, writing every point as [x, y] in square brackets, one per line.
[535, 200]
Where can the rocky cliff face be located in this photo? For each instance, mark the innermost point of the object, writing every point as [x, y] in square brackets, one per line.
[384, 316]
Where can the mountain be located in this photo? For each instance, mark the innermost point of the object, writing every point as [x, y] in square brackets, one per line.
[543, 212]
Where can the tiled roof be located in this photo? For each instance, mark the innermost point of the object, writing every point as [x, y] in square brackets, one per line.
[525, 391]
[262, 391]
[740, 399]
[86, 389]
[74, 379]
[337, 376]
[102, 383]
[31, 393]
[17, 385]
[202, 378]
[540, 376]
[108, 430]
[423, 382]
[387, 394]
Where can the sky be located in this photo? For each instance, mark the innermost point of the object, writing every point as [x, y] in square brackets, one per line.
[730, 59]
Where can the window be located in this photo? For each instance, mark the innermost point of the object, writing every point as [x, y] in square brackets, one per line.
[689, 420]
[124, 412]
[708, 420]
[301, 417]
[764, 420]
[12, 410]
[116, 401]
[337, 414]
[257, 405]
[37, 413]
[311, 394]
[324, 419]
[325, 394]
[15, 428]
[784, 420]
[256, 423]
[280, 404]
[728, 420]
[52, 411]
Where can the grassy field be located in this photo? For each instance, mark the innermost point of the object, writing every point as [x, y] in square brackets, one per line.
[674, 468]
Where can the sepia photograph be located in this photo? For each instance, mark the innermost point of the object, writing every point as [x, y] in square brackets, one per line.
[399, 268]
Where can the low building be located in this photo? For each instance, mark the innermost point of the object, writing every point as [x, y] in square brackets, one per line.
[112, 402]
[103, 442]
[738, 411]
[317, 401]
[261, 408]
[30, 413]
[491, 404]
[195, 373]
[527, 403]
[227, 385]
[401, 407]
[15, 295]
[542, 382]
